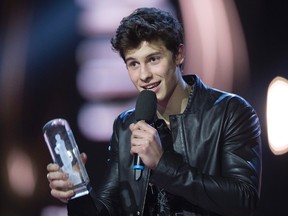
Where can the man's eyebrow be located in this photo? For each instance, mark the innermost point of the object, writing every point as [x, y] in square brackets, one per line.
[129, 59]
[146, 57]
[153, 54]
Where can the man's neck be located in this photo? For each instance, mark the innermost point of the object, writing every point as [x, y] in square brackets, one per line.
[177, 102]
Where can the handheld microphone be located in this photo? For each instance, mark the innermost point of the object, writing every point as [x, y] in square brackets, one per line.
[145, 109]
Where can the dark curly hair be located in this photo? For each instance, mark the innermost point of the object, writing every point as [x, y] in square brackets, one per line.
[148, 24]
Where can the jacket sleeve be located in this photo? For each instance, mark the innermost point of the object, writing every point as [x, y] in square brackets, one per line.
[105, 200]
[235, 188]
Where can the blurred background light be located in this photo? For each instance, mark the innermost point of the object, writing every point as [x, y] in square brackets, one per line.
[54, 211]
[102, 75]
[215, 45]
[100, 17]
[277, 115]
[96, 119]
[21, 173]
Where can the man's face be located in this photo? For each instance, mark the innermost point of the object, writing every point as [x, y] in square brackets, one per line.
[151, 66]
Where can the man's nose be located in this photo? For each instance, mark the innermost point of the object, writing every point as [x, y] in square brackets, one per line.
[145, 73]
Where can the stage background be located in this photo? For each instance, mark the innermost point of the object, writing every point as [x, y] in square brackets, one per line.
[39, 42]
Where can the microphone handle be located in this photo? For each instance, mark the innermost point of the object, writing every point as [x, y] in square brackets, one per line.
[138, 167]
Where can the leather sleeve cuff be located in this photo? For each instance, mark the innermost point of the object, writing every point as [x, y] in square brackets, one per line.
[83, 206]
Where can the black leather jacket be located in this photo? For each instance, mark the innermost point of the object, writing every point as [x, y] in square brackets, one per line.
[214, 169]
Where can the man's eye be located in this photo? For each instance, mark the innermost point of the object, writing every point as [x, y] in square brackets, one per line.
[133, 65]
[154, 59]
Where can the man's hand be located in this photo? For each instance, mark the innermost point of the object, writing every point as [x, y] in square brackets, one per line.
[145, 142]
[60, 187]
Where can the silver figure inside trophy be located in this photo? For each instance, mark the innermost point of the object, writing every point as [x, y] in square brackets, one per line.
[64, 151]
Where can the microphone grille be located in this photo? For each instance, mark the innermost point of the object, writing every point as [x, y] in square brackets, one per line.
[146, 106]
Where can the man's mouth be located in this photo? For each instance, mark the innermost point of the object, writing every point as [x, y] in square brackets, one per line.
[151, 86]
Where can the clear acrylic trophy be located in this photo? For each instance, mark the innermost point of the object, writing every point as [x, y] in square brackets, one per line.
[64, 151]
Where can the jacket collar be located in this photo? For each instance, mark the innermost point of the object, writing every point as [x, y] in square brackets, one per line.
[197, 95]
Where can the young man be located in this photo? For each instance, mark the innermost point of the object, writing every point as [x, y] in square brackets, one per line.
[203, 155]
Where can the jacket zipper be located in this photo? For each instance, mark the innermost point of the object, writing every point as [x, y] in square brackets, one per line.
[146, 188]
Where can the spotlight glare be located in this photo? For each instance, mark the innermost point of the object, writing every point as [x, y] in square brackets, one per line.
[277, 115]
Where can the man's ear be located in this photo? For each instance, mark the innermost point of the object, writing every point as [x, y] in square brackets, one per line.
[180, 55]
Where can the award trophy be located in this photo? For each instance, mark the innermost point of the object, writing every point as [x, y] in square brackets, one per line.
[64, 151]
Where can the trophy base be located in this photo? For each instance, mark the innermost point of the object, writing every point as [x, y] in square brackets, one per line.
[80, 191]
